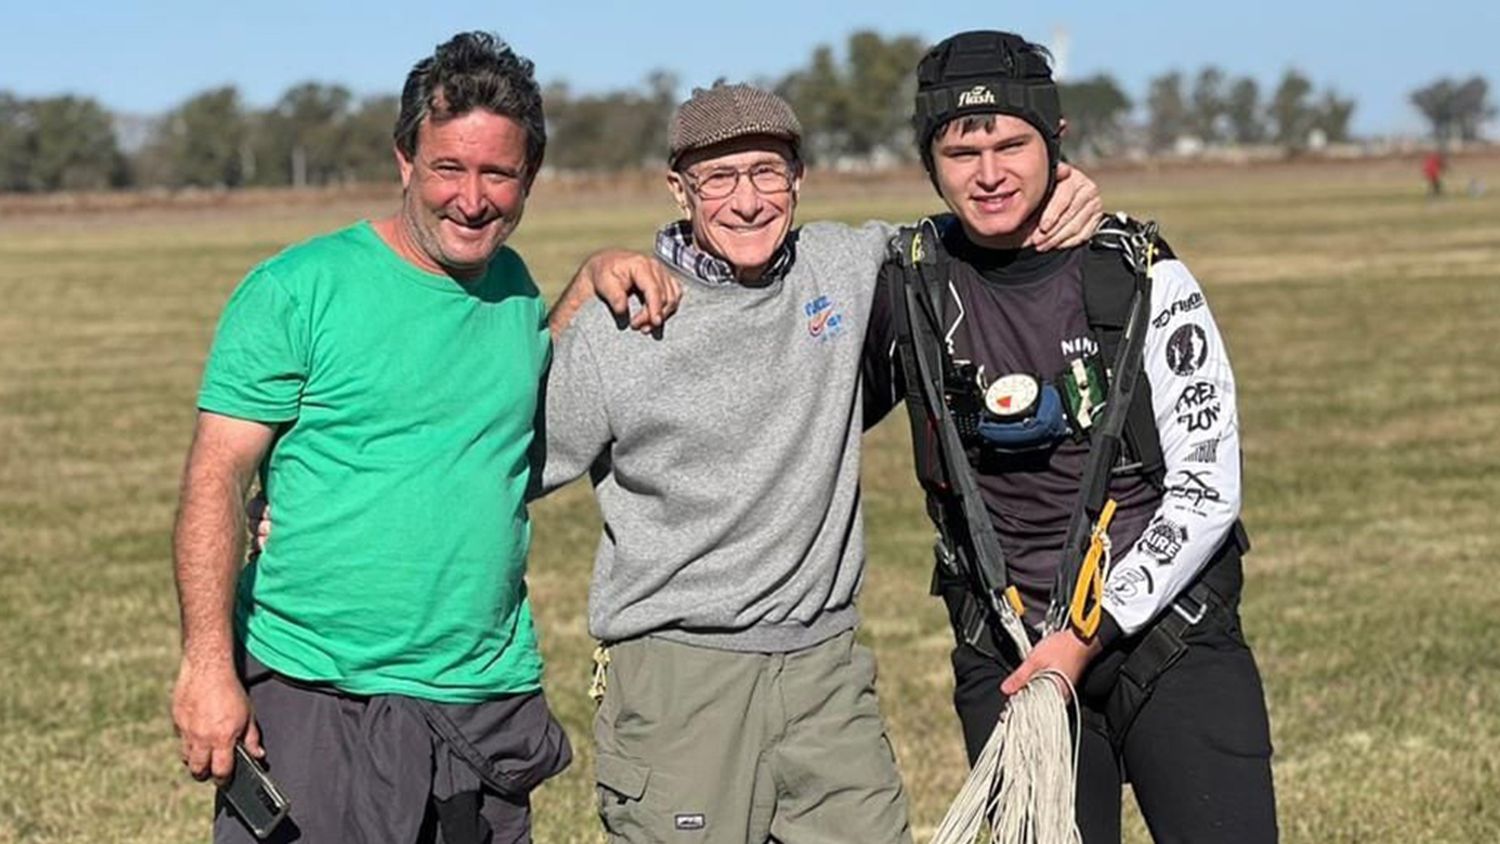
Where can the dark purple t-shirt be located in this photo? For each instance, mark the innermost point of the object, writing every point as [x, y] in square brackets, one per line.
[1015, 312]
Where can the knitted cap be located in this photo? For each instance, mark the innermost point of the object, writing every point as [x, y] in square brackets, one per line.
[714, 115]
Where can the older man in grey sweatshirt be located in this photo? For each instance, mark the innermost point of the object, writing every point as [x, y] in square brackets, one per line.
[736, 704]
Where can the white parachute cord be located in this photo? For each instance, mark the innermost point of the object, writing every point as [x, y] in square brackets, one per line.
[1109, 558]
[1038, 768]
[1024, 782]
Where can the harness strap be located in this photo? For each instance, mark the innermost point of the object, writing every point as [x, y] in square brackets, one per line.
[982, 548]
[967, 617]
[1158, 650]
[955, 460]
[1106, 304]
[974, 626]
[1105, 445]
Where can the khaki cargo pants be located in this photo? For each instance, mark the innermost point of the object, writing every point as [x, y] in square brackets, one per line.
[703, 745]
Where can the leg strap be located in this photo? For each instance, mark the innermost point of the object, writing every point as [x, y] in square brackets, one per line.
[1158, 650]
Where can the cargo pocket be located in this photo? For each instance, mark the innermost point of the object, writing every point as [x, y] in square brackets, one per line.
[622, 786]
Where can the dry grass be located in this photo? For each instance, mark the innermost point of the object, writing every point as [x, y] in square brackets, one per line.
[1360, 318]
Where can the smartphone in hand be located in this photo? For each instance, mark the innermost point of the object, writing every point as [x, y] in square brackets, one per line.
[252, 794]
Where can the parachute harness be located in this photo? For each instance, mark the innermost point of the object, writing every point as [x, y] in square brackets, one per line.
[1024, 782]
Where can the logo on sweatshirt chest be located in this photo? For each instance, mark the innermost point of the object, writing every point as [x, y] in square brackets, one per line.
[824, 320]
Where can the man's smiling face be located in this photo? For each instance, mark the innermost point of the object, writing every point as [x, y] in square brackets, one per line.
[993, 172]
[747, 224]
[465, 190]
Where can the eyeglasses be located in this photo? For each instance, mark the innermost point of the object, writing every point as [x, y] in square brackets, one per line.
[720, 182]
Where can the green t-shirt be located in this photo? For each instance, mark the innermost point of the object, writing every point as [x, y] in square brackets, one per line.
[404, 403]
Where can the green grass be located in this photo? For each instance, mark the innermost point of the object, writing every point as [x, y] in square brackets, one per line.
[1360, 318]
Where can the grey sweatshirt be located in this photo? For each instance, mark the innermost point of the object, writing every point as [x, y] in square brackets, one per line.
[725, 454]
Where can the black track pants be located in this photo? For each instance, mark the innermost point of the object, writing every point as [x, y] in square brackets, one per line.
[1198, 754]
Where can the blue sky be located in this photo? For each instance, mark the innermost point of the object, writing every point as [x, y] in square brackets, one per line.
[144, 57]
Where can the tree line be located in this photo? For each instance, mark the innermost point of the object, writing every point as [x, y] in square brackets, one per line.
[854, 104]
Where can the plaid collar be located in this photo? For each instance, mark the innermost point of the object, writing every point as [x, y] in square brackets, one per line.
[674, 246]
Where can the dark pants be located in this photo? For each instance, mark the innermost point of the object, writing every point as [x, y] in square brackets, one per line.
[1197, 753]
[390, 768]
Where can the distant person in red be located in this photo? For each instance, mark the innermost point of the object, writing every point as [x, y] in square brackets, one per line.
[1433, 165]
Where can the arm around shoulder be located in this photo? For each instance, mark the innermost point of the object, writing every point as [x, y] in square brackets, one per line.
[615, 276]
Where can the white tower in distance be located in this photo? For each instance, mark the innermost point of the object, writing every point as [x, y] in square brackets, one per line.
[1059, 48]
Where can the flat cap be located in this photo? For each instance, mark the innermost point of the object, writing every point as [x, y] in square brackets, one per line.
[724, 112]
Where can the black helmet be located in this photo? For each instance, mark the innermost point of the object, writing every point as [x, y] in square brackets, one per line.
[985, 72]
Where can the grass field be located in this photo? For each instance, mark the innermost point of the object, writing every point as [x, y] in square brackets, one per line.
[1360, 318]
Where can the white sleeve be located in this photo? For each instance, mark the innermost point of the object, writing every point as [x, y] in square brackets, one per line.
[1192, 392]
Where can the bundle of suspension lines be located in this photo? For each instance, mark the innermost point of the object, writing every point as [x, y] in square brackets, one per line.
[1025, 780]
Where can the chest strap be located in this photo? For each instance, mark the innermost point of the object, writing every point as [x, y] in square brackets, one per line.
[968, 539]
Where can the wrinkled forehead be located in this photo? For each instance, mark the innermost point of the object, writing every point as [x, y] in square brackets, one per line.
[741, 152]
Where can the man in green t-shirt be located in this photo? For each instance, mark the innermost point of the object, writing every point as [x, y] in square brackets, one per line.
[382, 382]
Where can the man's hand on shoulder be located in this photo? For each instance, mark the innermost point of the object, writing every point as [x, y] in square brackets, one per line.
[1072, 213]
[211, 712]
[616, 276]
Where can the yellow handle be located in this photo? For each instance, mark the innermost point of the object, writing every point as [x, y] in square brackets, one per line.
[1014, 597]
[1087, 606]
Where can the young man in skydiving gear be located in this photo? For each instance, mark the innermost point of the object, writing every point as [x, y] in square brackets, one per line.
[1019, 348]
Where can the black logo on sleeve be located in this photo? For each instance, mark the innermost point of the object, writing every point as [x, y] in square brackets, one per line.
[1205, 452]
[1187, 348]
[1129, 583]
[1194, 490]
[1198, 406]
[1191, 302]
[1162, 540]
